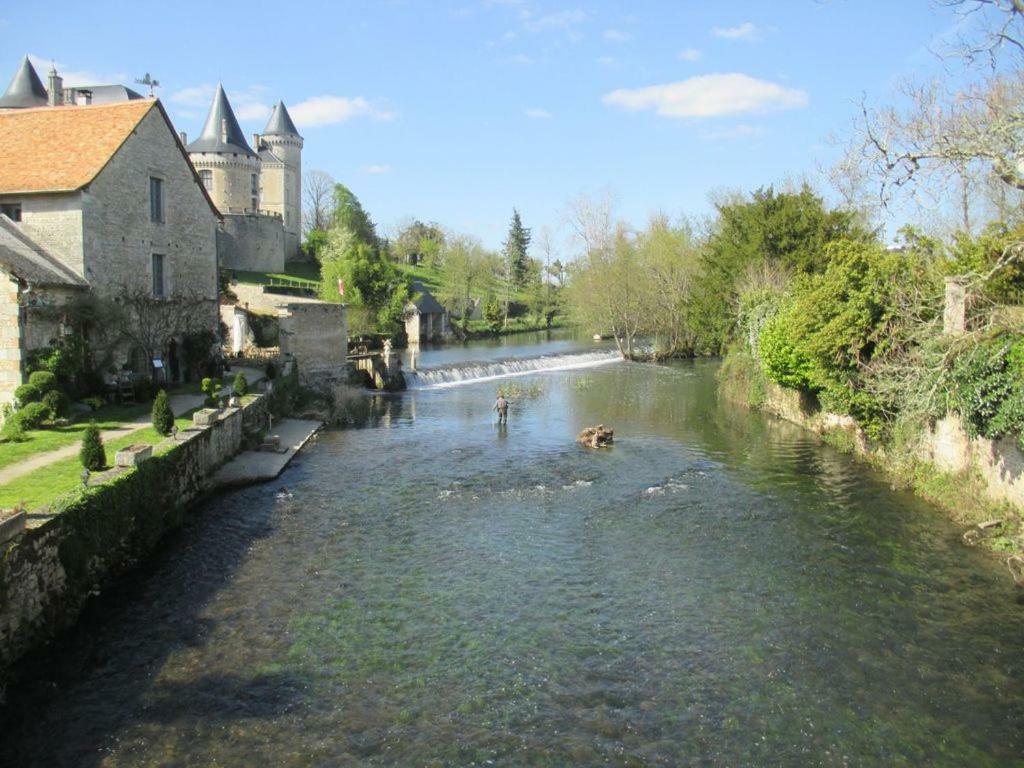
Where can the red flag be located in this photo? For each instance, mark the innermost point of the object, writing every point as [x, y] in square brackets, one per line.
[341, 287]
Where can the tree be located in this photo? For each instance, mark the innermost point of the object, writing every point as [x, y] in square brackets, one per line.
[240, 385]
[162, 415]
[419, 243]
[349, 215]
[318, 201]
[466, 275]
[516, 251]
[92, 453]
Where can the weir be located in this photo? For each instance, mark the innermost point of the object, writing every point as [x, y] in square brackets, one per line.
[465, 373]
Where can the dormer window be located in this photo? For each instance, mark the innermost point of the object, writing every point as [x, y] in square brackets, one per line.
[11, 210]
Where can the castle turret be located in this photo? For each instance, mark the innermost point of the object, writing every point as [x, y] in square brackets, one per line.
[229, 168]
[25, 90]
[280, 148]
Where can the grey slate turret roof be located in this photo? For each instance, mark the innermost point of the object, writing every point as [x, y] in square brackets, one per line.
[424, 300]
[27, 260]
[280, 123]
[221, 133]
[25, 90]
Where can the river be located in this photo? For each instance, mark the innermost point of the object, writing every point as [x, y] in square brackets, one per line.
[431, 589]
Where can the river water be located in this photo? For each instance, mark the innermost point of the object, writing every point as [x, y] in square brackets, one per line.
[432, 589]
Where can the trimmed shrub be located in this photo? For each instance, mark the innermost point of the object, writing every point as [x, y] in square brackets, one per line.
[94, 403]
[211, 388]
[92, 454]
[12, 431]
[32, 415]
[56, 402]
[163, 416]
[240, 385]
[27, 393]
[44, 381]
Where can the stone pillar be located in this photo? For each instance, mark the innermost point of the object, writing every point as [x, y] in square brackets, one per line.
[954, 315]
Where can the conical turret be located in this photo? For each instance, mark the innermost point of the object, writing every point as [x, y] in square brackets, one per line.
[221, 133]
[280, 122]
[25, 90]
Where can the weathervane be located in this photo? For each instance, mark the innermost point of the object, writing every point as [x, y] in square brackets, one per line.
[147, 80]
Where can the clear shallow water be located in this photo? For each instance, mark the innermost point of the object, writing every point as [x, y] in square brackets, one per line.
[718, 589]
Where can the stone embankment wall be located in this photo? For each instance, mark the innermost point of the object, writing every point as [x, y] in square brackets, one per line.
[90, 537]
[999, 463]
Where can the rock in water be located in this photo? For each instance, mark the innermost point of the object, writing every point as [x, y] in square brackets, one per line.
[595, 437]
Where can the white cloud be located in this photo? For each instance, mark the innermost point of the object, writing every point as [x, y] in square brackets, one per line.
[745, 31]
[247, 103]
[329, 110]
[709, 96]
[741, 131]
[689, 54]
[377, 169]
[557, 20]
[616, 36]
[537, 113]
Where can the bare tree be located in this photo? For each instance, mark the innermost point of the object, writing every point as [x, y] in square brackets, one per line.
[138, 319]
[318, 200]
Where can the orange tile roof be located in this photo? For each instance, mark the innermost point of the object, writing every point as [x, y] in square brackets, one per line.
[60, 149]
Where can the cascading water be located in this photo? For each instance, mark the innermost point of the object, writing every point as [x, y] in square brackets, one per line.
[465, 373]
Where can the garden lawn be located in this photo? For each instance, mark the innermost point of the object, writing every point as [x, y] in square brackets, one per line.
[300, 272]
[54, 480]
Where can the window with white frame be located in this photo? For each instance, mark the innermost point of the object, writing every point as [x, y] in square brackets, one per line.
[206, 176]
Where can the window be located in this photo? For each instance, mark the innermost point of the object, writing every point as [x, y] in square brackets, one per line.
[11, 210]
[156, 200]
[207, 178]
[158, 275]
[255, 191]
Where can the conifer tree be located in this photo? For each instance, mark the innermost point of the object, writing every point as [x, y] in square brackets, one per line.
[516, 247]
[163, 416]
[92, 454]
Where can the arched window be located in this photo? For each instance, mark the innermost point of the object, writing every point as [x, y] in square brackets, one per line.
[206, 176]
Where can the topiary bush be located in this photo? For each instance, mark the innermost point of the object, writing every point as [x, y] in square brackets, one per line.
[240, 385]
[44, 381]
[92, 454]
[27, 393]
[163, 416]
[211, 388]
[12, 431]
[32, 415]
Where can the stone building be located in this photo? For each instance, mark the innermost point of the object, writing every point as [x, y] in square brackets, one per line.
[425, 318]
[257, 189]
[96, 195]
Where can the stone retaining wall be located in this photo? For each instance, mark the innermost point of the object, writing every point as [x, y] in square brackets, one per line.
[89, 538]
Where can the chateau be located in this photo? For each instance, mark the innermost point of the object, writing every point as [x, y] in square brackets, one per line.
[257, 189]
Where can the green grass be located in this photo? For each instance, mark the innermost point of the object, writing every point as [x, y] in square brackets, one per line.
[48, 483]
[430, 276]
[303, 273]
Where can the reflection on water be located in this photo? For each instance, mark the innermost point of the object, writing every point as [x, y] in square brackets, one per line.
[436, 589]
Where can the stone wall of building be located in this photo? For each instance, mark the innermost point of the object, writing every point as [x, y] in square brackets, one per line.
[47, 573]
[316, 335]
[282, 188]
[120, 238]
[231, 175]
[11, 342]
[252, 243]
[55, 222]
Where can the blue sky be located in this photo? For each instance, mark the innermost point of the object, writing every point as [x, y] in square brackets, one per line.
[457, 111]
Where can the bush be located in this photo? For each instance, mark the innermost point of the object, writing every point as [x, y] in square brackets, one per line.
[270, 371]
[163, 416]
[94, 403]
[56, 403]
[27, 393]
[211, 388]
[987, 384]
[44, 381]
[32, 415]
[92, 454]
[12, 431]
[240, 385]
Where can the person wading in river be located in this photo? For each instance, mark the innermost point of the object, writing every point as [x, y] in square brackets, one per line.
[501, 406]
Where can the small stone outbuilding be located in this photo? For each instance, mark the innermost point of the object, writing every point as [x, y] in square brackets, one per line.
[425, 318]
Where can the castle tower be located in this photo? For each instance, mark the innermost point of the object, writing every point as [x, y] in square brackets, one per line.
[25, 90]
[280, 150]
[230, 170]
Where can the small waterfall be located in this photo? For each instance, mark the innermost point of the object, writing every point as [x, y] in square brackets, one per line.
[466, 373]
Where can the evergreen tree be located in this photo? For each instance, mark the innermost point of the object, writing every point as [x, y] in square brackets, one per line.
[163, 416]
[516, 247]
[92, 453]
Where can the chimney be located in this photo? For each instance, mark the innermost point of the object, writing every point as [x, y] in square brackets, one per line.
[184, 138]
[56, 94]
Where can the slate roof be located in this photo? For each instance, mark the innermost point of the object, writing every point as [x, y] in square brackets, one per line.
[425, 301]
[280, 123]
[221, 132]
[26, 89]
[61, 149]
[109, 94]
[25, 259]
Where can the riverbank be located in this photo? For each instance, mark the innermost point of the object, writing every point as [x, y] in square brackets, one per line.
[975, 481]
